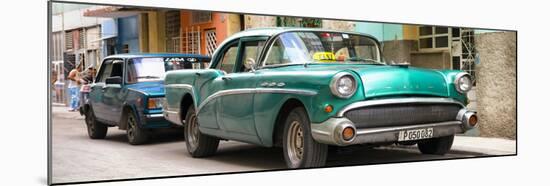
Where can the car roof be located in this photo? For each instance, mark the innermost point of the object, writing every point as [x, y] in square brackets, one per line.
[134, 55]
[271, 31]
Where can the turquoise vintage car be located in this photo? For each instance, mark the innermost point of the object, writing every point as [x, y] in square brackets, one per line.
[127, 93]
[307, 89]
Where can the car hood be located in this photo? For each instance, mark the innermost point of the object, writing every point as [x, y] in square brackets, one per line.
[387, 80]
[154, 88]
[393, 80]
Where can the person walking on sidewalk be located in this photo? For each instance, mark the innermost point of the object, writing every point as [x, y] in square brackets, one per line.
[87, 79]
[74, 87]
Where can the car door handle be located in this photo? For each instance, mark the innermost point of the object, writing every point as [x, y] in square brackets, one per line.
[226, 78]
[198, 73]
[103, 88]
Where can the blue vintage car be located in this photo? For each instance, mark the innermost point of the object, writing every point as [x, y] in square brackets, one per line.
[127, 93]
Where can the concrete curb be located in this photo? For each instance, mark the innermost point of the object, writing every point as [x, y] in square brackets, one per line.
[480, 145]
[484, 145]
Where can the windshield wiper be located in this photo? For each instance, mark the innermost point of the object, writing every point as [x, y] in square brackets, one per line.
[148, 77]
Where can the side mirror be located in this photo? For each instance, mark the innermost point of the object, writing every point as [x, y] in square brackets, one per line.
[250, 63]
[114, 80]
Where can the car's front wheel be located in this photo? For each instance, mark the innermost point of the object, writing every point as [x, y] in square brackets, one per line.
[438, 146]
[300, 149]
[96, 129]
[135, 134]
[198, 144]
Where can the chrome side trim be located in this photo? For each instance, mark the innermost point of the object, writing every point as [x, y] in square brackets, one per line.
[254, 91]
[395, 101]
[184, 86]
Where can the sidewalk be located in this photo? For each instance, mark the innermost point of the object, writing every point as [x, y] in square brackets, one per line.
[481, 146]
[61, 111]
[484, 145]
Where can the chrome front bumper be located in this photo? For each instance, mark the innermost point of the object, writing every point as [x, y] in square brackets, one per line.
[154, 116]
[330, 131]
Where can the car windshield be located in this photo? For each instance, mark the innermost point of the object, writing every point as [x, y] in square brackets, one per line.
[322, 47]
[153, 69]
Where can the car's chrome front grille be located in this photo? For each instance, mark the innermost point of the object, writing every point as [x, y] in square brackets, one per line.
[402, 114]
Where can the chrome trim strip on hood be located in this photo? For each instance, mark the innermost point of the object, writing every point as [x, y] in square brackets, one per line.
[391, 101]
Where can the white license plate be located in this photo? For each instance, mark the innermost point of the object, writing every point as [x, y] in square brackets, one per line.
[416, 134]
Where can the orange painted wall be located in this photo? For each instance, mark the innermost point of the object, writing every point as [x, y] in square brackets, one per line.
[218, 22]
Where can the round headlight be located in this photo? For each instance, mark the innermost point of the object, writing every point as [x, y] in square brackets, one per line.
[343, 85]
[463, 82]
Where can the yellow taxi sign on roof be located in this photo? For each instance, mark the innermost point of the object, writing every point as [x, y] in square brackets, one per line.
[324, 56]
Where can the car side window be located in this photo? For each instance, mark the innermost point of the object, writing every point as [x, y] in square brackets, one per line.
[251, 50]
[117, 69]
[105, 71]
[229, 59]
[275, 55]
[110, 68]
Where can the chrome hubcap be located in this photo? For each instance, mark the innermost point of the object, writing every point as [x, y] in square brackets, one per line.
[192, 132]
[295, 142]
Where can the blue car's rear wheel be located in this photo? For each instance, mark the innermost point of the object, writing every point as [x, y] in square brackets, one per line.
[96, 129]
[198, 144]
[300, 149]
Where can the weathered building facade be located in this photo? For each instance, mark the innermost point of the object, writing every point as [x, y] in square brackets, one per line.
[74, 41]
[497, 83]
[131, 30]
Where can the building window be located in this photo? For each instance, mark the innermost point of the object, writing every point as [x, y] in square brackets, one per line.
[201, 17]
[110, 45]
[469, 52]
[125, 48]
[93, 34]
[81, 40]
[173, 31]
[57, 46]
[433, 37]
[210, 41]
[190, 40]
[68, 40]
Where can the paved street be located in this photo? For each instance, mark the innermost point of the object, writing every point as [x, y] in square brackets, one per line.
[78, 158]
